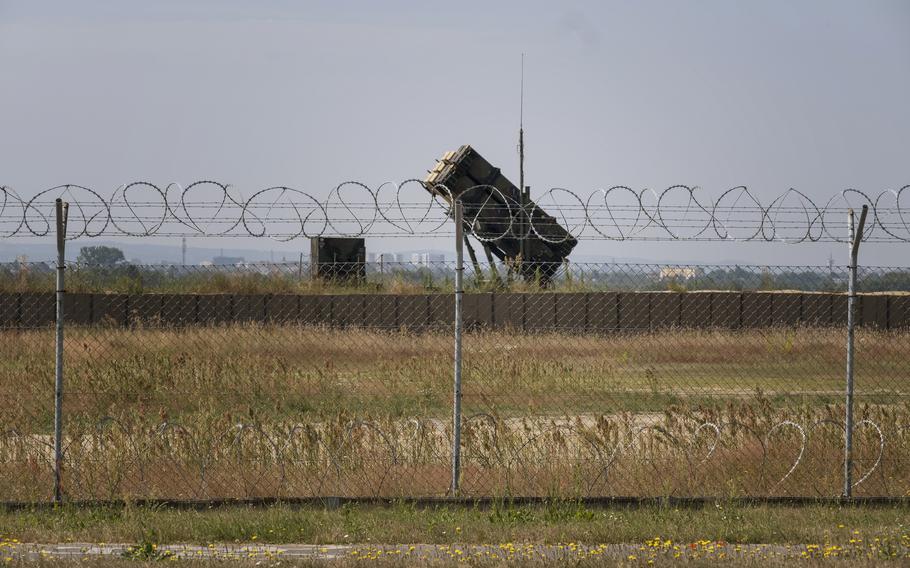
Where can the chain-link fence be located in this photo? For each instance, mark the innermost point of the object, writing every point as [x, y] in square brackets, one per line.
[285, 380]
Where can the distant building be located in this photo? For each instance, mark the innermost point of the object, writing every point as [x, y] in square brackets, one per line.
[385, 257]
[427, 258]
[678, 273]
[227, 260]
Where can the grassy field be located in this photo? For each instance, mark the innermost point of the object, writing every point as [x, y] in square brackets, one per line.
[247, 411]
[397, 373]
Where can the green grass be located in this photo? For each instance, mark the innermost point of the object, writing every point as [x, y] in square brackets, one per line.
[558, 522]
[717, 534]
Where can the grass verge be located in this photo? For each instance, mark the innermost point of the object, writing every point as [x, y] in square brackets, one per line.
[558, 522]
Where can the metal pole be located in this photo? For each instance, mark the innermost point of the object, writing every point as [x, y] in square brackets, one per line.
[459, 293]
[62, 210]
[478, 272]
[856, 236]
[525, 228]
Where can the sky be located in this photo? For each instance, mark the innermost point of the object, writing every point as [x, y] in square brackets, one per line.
[773, 95]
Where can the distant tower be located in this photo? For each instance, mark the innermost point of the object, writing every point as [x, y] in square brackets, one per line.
[183, 251]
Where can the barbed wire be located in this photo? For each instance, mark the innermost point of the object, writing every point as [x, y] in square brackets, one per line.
[414, 208]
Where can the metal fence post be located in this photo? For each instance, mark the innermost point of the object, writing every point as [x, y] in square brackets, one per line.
[62, 209]
[459, 293]
[856, 236]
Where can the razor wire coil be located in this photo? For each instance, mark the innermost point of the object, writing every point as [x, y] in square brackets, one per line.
[412, 208]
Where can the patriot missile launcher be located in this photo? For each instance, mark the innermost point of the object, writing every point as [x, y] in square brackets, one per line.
[511, 226]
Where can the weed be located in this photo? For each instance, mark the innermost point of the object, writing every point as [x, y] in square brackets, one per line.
[146, 551]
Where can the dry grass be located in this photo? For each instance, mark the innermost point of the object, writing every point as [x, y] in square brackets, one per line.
[245, 411]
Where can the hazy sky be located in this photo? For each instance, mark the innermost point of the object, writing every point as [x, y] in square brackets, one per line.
[772, 95]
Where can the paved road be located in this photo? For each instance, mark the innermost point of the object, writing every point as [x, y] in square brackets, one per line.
[650, 550]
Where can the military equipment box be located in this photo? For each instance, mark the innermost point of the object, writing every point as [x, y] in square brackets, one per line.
[337, 258]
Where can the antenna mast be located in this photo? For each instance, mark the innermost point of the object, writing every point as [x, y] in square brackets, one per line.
[522, 190]
[521, 130]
